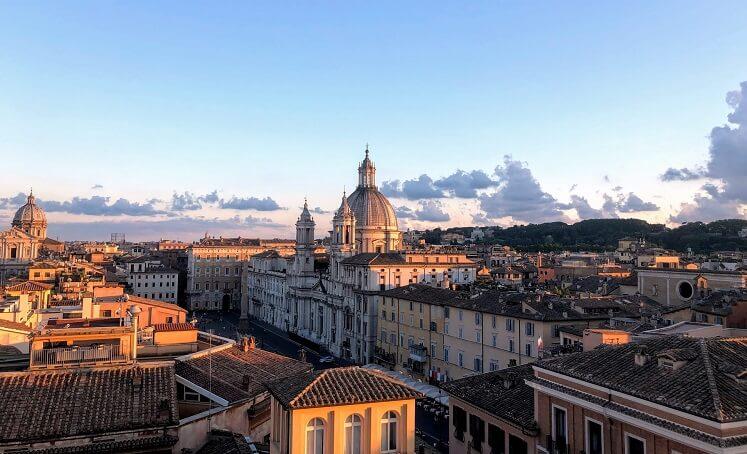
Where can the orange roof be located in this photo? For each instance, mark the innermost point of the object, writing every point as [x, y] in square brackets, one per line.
[161, 327]
[29, 286]
[14, 326]
[141, 300]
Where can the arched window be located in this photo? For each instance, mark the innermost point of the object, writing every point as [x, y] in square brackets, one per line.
[353, 434]
[315, 436]
[389, 433]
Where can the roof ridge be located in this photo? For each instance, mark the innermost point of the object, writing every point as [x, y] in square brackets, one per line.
[712, 386]
[307, 387]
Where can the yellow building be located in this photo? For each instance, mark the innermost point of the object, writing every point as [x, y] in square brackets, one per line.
[347, 410]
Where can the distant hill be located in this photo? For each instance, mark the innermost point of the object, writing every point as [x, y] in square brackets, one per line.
[603, 234]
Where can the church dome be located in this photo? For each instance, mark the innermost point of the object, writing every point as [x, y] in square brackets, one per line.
[29, 214]
[371, 208]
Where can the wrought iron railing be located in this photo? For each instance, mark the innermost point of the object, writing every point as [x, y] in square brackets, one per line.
[73, 356]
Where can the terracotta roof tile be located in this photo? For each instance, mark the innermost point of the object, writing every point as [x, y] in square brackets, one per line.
[43, 405]
[706, 386]
[234, 375]
[340, 386]
[160, 327]
[14, 325]
[488, 391]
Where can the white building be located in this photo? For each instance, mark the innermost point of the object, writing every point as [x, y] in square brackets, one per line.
[148, 278]
[336, 308]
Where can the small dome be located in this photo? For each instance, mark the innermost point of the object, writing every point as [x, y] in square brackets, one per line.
[30, 213]
[372, 209]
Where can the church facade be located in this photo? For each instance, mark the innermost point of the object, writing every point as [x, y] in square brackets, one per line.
[22, 243]
[336, 307]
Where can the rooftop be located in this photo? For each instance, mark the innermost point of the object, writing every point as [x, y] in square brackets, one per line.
[237, 374]
[340, 386]
[53, 404]
[503, 393]
[711, 384]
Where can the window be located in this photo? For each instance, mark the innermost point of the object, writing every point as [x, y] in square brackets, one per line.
[511, 345]
[353, 434]
[315, 436]
[461, 315]
[476, 432]
[634, 445]
[461, 333]
[169, 319]
[509, 324]
[478, 318]
[528, 349]
[446, 312]
[559, 427]
[529, 329]
[594, 442]
[389, 433]
[478, 364]
[496, 439]
[460, 355]
[494, 321]
[493, 366]
[459, 422]
[446, 354]
[106, 314]
[495, 340]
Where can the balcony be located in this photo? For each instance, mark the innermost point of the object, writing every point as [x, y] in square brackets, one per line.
[78, 356]
[418, 353]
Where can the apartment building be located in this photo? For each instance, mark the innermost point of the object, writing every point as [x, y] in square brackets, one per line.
[215, 269]
[149, 278]
[670, 394]
[442, 334]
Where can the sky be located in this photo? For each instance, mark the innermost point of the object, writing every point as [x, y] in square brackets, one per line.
[175, 119]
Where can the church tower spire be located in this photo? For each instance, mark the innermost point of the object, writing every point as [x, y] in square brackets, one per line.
[305, 241]
[367, 173]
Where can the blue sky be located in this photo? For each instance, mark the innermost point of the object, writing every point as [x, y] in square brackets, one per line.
[277, 100]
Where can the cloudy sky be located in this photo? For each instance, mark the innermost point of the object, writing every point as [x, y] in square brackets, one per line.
[172, 119]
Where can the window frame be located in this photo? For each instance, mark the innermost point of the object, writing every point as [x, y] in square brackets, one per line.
[386, 422]
[311, 449]
[627, 436]
[565, 424]
[351, 423]
[587, 439]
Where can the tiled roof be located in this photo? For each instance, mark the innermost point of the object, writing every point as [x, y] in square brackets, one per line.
[14, 325]
[340, 386]
[43, 405]
[509, 304]
[234, 375]
[139, 444]
[705, 386]
[161, 327]
[375, 258]
[29, 286]
[224, 442]
[513, 403]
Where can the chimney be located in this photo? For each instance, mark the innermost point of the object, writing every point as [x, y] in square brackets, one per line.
[137, 380]
[164, 410]
[252, 343]
[641, 355]
[509, 381]
[244, 344]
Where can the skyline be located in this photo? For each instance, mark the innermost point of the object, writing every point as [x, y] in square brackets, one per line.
[238, 113]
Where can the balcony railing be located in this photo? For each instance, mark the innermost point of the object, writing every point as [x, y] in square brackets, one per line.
[418, 353]
[76, 356]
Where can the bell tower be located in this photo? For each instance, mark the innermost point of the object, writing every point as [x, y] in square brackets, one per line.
[305, 241]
